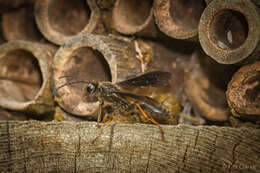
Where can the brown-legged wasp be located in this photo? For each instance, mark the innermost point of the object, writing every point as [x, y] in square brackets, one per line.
[124, 101]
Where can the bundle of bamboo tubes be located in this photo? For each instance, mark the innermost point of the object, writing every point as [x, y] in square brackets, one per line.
[51, 50]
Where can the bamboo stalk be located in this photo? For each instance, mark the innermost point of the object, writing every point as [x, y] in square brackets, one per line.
[19, 25]
[58, 26]
[179, 19]
[134, 17]
[25, 76]
[33, 146]
[243, 93]
[229, 31]
[205, 86]
[90, 57]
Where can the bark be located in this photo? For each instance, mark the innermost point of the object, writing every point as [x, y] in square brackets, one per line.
[33, 146]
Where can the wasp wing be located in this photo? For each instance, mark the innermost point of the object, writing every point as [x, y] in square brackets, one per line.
[136, 97]
[154, 78]
[144, 101]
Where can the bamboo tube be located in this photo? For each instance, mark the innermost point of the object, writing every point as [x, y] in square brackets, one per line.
[19, 24]
[25, 77]
[33, 146]
[90, 57]
[134, 17]
[230, 31]
[59, 20]
[205, 86]
[179, 19]
[243, 93]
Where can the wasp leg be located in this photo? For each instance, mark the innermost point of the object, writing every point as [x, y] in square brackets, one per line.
[150, 119]
[99, 113]
[100, 129]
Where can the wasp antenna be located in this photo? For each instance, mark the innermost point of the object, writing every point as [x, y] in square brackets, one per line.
[66, 76]
[70, 83]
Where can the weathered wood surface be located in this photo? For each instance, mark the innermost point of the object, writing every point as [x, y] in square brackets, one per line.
[33, 146]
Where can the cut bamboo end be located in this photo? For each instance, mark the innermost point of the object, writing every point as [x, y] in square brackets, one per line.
[59, 20]
[133, 16]
[19, 24]
[179, 19]
[243, 93]
[229, 31]
[205, 86]
[25, 77]
[87, 58]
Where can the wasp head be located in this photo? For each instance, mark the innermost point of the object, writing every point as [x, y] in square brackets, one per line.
[91, 88]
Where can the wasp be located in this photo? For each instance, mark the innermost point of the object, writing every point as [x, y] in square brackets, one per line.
[124, 101]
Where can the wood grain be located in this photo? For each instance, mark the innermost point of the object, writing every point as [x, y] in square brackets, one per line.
[33, 146]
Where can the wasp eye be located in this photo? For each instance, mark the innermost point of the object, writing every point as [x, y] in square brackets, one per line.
[91, 88]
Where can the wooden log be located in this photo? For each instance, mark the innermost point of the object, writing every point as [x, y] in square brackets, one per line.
[33, 146]
[58, 21]
[179, 19]
[205, 86]
[229, 31]
[243, 92]
[134, 17]
[25, 76]
[19, 24]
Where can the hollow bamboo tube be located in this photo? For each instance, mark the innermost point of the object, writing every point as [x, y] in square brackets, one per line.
[90, 57]
[59, 20]
[243, 93]
[25, 77]
[19, 24]
[230, 31]
[179, 19]
[33, 146]
[205, 86]
[134, 17]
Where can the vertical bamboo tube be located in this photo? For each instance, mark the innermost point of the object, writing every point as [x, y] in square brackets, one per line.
[90, 57]
[179, 19]
[19, 24]
[134, 17]
[25, 77]
[59, 20]
[229, 31]
[243, 93]
[205, 86]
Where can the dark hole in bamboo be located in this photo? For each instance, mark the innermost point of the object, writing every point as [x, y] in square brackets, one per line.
[229, 29]
[186, 14]
[68, 17]
[88, 65]
[134, 12]
[20, 76]
[19, 24]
